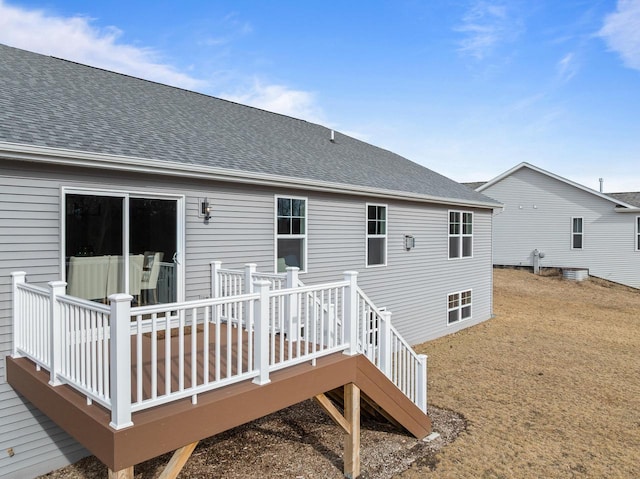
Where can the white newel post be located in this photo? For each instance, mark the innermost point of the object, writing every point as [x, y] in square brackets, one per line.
[384, 330]
[291, 306]
[422, 383]
[249, 271]
[55, 328]
[261, 333]
[120, 351]
[215, 278]
[351, 312]
[18, 277]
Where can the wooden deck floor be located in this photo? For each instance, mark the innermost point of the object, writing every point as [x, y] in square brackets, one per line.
[170, 426]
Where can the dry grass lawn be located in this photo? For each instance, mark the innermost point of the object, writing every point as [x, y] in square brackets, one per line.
[550, 387]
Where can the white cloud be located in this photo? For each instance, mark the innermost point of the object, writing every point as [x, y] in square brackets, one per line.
[567, 67]
[76, 39]
[279, 99]
[621, 32]
[487, 25]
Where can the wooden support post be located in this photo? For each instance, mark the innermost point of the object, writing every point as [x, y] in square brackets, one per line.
[122, 473]
[352, 440]
[177, 462]
[333, 412]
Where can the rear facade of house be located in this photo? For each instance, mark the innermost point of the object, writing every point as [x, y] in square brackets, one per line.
[81, 179]
[572, 225]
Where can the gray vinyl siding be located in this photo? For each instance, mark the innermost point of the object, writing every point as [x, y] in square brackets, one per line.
[537, 214]
[413, 286]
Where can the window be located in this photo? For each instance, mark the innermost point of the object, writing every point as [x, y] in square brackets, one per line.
[576, 233]
[116, 242]
[376, 235]
[458, 307]
[460, 234]
[637, 233]
[291, 233]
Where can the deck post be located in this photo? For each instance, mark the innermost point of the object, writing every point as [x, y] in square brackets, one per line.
[352, 439]
[120, 352]
[422, 383]
[17, 277]
[384, 338]
[261, 333]
[55, 337]
[351, 312]
[215, 278]
[249, 271]
[291, 305]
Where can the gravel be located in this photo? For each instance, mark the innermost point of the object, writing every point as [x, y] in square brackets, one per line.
[299, 442]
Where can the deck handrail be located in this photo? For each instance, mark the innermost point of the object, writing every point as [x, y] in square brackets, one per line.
[378, 339]
[95, 348]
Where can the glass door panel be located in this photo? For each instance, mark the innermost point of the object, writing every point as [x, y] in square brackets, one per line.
[153, 227]
[93, 245]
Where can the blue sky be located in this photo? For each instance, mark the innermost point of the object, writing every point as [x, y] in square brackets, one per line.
[466, 88]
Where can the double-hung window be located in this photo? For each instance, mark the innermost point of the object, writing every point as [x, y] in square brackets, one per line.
[291, 233]
[460, 234]
[458, 306]
[637, 233]
[376, 235]
[577, 233]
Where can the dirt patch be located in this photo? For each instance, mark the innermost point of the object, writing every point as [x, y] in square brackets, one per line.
[297, 442]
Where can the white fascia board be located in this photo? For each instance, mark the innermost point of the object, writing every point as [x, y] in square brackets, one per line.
[524, 164]
[76, 158]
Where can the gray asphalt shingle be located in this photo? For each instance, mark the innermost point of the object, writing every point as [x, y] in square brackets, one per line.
[47, 101]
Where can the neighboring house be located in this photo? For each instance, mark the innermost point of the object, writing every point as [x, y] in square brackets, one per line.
[572, 225]
[116, 184]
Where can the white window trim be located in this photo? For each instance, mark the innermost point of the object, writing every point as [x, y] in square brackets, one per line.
[367, 235]
[461, 235]
[573, 233]
[459, 307]
[126, 194]
[277, 236]
[637, 236]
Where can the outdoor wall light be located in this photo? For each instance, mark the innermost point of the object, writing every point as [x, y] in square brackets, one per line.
[409, 242]
[205, 209]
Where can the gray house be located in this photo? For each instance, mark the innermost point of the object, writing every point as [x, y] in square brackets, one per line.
[114, 184]
[574, 226]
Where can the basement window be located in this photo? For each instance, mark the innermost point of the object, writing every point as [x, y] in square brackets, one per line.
[458, 306]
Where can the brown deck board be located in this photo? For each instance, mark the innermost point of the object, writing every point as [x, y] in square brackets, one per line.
[170, 426]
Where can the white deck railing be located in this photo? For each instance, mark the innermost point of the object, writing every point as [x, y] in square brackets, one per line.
[129, 359]
[378, 339]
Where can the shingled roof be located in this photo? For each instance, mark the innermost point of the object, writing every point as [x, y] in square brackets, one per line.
[50, 102]
[631, 197]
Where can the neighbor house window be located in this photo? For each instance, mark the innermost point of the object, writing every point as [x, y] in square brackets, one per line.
[458, 306]
[637, 233]
[576, 233]
[376, 235]
[291, 233]
[460, 234]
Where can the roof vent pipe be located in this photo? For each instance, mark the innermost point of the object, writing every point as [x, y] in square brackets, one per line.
[601, 184]
[333, 136]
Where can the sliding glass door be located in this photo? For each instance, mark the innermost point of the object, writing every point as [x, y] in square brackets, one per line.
[121, 243]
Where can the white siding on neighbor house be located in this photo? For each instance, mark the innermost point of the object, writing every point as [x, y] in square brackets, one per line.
[537, 214]
[413, 285]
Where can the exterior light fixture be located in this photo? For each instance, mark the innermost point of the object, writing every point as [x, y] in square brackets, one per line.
[409, 242]
[205, 209]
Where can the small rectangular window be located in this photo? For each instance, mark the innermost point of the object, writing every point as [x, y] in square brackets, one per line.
[576, 233]
[291, 233]
[376, 235]
[637, 233]
[460, 234]
[458, 306]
